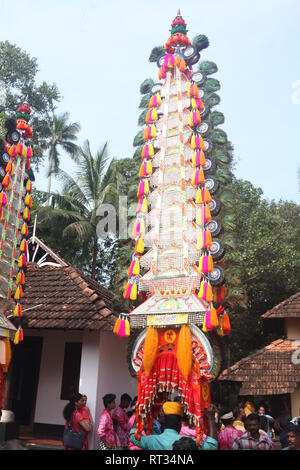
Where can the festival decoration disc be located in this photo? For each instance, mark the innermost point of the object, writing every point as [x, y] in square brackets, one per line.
[198, 77]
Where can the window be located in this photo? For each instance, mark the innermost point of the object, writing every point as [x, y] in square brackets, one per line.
[71, 370]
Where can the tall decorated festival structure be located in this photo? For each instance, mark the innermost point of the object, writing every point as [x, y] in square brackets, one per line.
[15, 204]
[177, 267]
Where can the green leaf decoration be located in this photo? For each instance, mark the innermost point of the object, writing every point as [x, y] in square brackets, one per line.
[137, 153]
[223, 176]
[145, 101]
[228, 222]
[211, 85]
[208, 67]
[138, 140]
[216, 118]
[156, 53]
[146, 86]
[200, 42]
[229, 241]
[142, 117]
[221, 157]
[212, 100]
[219, 136]
[226, 198]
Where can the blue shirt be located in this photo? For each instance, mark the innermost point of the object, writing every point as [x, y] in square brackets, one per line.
[166, 440]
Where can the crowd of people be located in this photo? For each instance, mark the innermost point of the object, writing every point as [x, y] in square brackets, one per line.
[242, 428]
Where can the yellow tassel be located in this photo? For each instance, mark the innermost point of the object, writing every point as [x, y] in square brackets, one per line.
[150, 349]
[17, 337]
[153, 132]
[184, 351]
[127, 327]
[139, 247]
[27, 200]
[133, 293]
[214, 317]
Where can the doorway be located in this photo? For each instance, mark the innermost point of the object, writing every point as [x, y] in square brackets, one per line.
[27, 368]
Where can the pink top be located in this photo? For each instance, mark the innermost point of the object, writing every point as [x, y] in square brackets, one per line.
[189, 432]
[120, 415]
[106, 429]
[78, 416]
[131, 421]
[227, 436]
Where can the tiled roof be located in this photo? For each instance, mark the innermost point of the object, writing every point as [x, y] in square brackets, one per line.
[61, 297]
[289, 308]
[269, 371]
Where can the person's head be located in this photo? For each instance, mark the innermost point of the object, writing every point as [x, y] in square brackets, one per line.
[263, 423]
[293, 436]
[185, 443]
[109, 401]
[76, 402]
[239, 412]
[226, 417]
[252, 424]
[173, 415]
[262, 409]
[125, 400]
[84, 397]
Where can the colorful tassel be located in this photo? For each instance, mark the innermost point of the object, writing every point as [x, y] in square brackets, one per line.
[149, 132]
[198, 158]
[155, 101]
[143, 188]
[205, 264]
[3, 198]
[18, 293]
[139, 247]
[198, 177]
[18, 310]
[151, 115]
[145, 169]
[150, 349]
[203, 215]
[22, 261]
[142, 205]
[194, 118]
[204, 239]
[211, 320]
[20, 278]
[6, 181]
[19, 336]
[203, 196]
[226, 327]
[127, 327]
[28, 200]
[23, 246]
[184, 351]
[219, 294]
[24, 230]
[147, 151]
[134, 268]
[26, 214]
[28, 187]
[182, 65]
[205, 291]
[197, 142]
[117, 326]
[138, 228]
[193, 90]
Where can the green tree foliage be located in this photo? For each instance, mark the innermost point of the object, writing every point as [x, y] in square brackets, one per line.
[63, 135]
[17, 81]
[268, 254]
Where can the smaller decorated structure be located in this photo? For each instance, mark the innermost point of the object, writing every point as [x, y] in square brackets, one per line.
[15, 204]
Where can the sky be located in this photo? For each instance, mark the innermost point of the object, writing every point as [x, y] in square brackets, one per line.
[97, 53]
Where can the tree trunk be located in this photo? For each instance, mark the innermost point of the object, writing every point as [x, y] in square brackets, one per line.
[95, 252]
[49, 176]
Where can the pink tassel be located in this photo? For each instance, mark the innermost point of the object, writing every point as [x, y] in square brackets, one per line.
[121, 331]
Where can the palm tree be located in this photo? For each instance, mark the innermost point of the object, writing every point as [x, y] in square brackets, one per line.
[76, 206]
[63, 135]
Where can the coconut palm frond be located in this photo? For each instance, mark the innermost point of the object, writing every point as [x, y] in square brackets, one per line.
[83, 229]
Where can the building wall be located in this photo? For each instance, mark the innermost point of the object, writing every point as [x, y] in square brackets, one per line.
[292, 328]
[295, 401]
[103, 370]
[49, 406]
